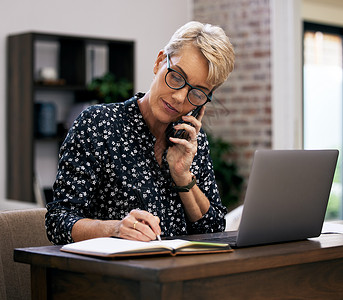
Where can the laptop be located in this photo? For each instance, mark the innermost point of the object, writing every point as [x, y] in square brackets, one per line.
[286, 198]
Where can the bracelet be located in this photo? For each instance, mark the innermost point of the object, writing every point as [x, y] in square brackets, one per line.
[185, 188]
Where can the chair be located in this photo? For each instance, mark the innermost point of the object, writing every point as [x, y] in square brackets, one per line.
[19, 228]
[233, 219]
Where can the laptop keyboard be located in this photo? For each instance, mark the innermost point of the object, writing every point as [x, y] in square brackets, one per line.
[227, 237]
[227, 240]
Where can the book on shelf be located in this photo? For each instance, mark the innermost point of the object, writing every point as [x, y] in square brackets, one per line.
[115, 247]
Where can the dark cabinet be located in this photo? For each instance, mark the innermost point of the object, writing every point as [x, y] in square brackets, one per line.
[47, 77]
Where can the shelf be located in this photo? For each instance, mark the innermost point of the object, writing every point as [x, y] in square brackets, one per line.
[48, 139]
[39, 86]
[75, 60]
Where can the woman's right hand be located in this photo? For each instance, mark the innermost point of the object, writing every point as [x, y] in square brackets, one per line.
[138, 225]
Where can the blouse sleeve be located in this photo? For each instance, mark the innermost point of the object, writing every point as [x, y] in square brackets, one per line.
[214, 219]
[76, 181]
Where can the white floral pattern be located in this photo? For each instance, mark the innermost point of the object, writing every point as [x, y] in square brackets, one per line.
[107, 156]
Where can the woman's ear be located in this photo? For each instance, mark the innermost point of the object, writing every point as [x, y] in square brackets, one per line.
[160, 58]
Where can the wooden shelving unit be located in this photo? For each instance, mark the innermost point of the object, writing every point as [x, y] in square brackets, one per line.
[76, 61]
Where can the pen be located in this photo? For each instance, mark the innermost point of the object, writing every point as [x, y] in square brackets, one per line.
[139, 196]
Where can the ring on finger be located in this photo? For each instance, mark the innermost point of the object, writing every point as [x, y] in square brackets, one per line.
[134, 225]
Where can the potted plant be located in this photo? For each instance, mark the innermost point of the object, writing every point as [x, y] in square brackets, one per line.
[228, 179]
[109, 88]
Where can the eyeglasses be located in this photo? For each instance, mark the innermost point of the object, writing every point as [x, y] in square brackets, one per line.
[177, 81]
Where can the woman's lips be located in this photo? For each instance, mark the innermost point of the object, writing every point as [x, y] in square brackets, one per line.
[170, 109]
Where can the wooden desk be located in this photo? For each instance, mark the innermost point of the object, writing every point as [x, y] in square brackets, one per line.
[311, 269]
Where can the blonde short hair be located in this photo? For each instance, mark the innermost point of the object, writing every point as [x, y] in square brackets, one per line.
[212, 42]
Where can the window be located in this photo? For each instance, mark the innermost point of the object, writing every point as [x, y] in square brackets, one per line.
[322, 106]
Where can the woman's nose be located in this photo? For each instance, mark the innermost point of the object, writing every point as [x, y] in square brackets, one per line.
[181, 94]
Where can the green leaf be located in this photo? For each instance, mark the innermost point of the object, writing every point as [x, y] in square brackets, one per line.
[228, 179]
[110, 89]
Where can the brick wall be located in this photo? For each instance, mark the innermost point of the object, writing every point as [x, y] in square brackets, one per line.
[241, 112]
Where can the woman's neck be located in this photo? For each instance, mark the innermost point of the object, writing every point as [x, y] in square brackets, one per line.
[156, 127]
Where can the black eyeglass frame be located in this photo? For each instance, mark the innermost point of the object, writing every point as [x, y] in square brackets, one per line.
[208, 96]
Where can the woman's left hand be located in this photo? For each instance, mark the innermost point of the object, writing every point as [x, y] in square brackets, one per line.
[181, 155]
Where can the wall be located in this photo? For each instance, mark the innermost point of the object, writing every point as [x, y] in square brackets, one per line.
[244, 112]
[261, 103]
[149, 23]
[328, 12]
[244, 117]
[286, 50]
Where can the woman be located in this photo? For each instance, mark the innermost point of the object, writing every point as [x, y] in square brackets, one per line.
[121, 175]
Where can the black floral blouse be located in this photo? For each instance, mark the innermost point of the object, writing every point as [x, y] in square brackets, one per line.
[107, 167]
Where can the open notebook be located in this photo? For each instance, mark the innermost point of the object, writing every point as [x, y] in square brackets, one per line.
[114, 247]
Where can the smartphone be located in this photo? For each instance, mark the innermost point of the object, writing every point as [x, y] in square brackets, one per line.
[180, 134]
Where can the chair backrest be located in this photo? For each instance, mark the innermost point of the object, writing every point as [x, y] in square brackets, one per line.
[18, 229]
